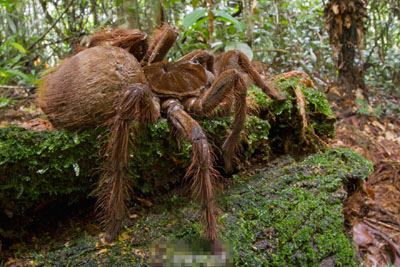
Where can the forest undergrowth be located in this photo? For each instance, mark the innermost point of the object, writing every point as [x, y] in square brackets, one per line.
[372, 210]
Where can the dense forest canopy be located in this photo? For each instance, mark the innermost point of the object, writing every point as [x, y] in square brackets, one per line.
[283, 35]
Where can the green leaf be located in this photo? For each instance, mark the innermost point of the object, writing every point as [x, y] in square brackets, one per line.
[24, 76]
[76, 168]
[19, 47]
[4, 102]
[240, 46]
[238, 25]
[41, 171]
[192, 17]
[313, 56]
[11, 24]
[195, 3]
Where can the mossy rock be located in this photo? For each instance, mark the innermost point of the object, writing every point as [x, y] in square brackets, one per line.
[287, 214]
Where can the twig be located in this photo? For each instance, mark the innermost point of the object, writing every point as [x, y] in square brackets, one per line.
[271, 50]
[378, 37]
[16, 87]
[375, 231]
[237, 13]
[51, 26]
[382, 223]
[50, 18]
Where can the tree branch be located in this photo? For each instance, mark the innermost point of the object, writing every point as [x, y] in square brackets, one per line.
[51, 26]
[49, 17]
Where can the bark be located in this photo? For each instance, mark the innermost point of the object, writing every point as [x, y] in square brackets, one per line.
[350, 75]
[345, 24]
[250, 6]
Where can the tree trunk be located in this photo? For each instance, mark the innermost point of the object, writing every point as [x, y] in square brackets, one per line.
[250, 6]
[210, 21]
[344, 22]
[350, 75]
[128, 14]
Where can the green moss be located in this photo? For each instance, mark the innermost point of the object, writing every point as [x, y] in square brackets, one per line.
[38, 166]
[286, 122]
[281, 216]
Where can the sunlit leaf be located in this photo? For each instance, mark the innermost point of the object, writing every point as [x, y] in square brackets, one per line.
[4, 102]
[313, 56]
[195, 3]
[238, 25]
[76, 168]
[19, 47]
[192, 17]
[24, 76]
[11, 24]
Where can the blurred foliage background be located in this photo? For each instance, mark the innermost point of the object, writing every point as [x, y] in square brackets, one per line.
[279, 35]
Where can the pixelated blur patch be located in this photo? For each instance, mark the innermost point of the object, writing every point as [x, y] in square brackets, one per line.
[190, 253]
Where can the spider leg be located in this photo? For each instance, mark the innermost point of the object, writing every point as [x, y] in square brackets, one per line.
[137, 104]
[235, 59]
[162, 43]
[201, 168]
[201, 56]
[230, 79]
[229, 84]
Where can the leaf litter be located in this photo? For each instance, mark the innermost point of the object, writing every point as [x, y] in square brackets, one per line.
[372, 212]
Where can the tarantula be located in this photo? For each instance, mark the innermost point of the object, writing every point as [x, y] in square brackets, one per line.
[118, 79]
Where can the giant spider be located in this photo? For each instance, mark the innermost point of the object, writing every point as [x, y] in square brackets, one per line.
[118, 79]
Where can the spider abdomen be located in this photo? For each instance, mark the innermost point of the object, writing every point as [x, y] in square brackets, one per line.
[84, 90]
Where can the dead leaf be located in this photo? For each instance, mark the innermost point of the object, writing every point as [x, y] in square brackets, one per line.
[145, 202]
[347, 21]
[354, 121]
[335, 9]
[101, 251]
[361, 236]
[133, 216]
[379, 125]
[370, 192]
[9, 213]
[38, 124]
[391, 136]
[395, 254]
[124, 236]
[334, 90]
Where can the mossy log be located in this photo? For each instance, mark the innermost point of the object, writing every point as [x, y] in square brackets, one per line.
[287, 214]
[37, 167]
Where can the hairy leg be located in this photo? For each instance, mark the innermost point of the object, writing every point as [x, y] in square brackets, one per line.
[134, 41]
[202, 57]
[229, 84]
[237, 60]
[162, 43]
[201, 169]
[137, 104]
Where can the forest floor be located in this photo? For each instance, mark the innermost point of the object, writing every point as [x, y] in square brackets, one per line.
[372, 212]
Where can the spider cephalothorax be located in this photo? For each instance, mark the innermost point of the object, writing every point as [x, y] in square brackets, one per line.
[114, 82]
